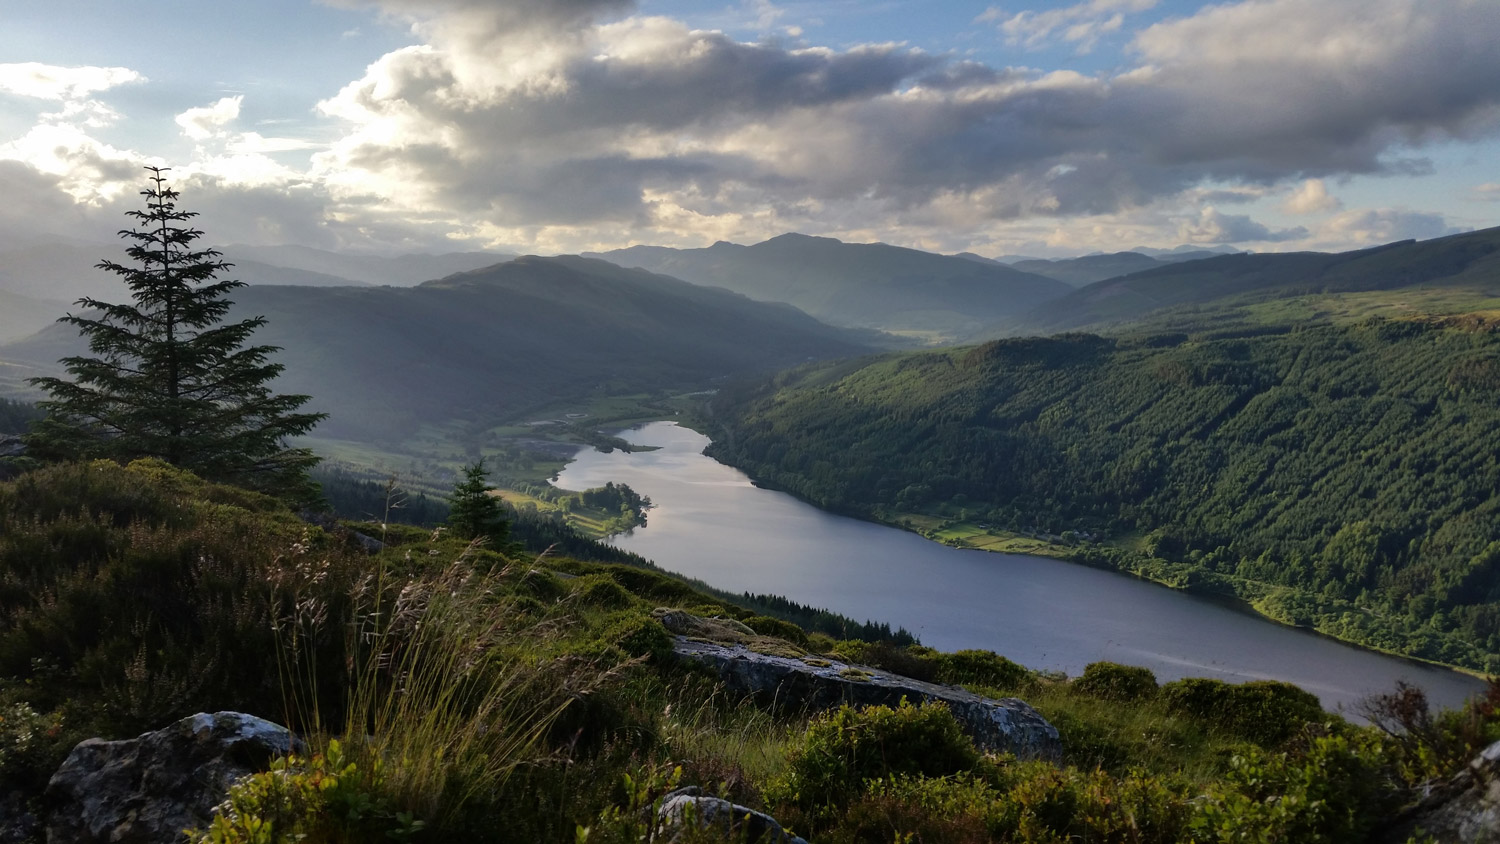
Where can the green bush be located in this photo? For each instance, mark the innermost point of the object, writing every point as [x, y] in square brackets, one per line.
[916, 663]
[768, 626]
[321, 799]
[1112, 681]
[1337, 791]
[1264, 711]
[844, 748]
[981, 668]
[1029, 803]
[640, 635]
[600, 591]
[32, 745]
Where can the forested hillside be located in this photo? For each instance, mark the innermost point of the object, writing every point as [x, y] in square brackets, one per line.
[1342, 477]
[1465, 266]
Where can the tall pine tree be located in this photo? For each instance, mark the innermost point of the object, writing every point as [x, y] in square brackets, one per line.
[169, 379]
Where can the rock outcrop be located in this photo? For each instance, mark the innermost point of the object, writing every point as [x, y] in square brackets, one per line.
[147, 790]
[11, 446]
[1003, 725]
[689, 805]
[1464, 810]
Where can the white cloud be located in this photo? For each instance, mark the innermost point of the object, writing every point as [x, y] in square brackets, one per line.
[1489, 192]
[86, 169]
[206, 122]
[1211, 227]
[1311, 197]
[1081, 25]
[1374, 226]
[54, 82]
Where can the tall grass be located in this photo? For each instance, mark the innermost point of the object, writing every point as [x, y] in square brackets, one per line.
[444, 694]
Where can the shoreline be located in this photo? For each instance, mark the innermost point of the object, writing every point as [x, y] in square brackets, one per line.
[1064, 553]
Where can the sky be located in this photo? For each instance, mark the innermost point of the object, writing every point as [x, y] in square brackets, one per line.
[552, 126]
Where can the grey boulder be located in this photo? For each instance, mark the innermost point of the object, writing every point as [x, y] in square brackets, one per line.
[149, 789]
[1004, 725]
[688, 806]
[1463, 810]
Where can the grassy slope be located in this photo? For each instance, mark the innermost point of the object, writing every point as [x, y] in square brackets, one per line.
[207, 585]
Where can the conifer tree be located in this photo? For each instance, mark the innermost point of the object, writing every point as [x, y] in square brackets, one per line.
[167, 377]
[474, 513]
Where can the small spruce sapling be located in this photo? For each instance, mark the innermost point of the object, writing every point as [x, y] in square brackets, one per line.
[474, 513]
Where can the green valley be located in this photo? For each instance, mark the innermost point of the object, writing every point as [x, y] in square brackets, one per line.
[1342, 477]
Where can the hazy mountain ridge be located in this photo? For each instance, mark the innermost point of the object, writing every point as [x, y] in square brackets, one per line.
[23, 315]
[871, 285]
[492, 343]
[1469, 261]
[398, 270]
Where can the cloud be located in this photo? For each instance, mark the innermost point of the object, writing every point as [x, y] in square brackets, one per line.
[1312, 197]
[568, 124]
[584, 116]
[1211, 226]
[86, 169]
[1274, 87]
[1081, 25]
[54, 82]
[1372, 226]
[1489, 192]
[206, 122]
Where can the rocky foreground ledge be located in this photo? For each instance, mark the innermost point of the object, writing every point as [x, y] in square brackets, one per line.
[1005, 725]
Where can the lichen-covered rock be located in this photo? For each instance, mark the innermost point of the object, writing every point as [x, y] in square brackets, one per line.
[1464, 810]
[149, 789]
[689, 805]
[1003, 725]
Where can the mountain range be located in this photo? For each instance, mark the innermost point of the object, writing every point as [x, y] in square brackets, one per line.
[1462, 268]
[867, 285]
[494, 343]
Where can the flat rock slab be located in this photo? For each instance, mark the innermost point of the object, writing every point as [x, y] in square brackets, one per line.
[1005, 725]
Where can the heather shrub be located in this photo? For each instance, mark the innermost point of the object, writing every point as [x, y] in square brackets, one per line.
[1337, 791]
[768, 626]
[1112, 681]
[844, 748]
[1265, 712]
[981, 668]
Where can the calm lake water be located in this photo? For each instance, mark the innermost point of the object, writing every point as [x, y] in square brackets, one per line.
[711, 523]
